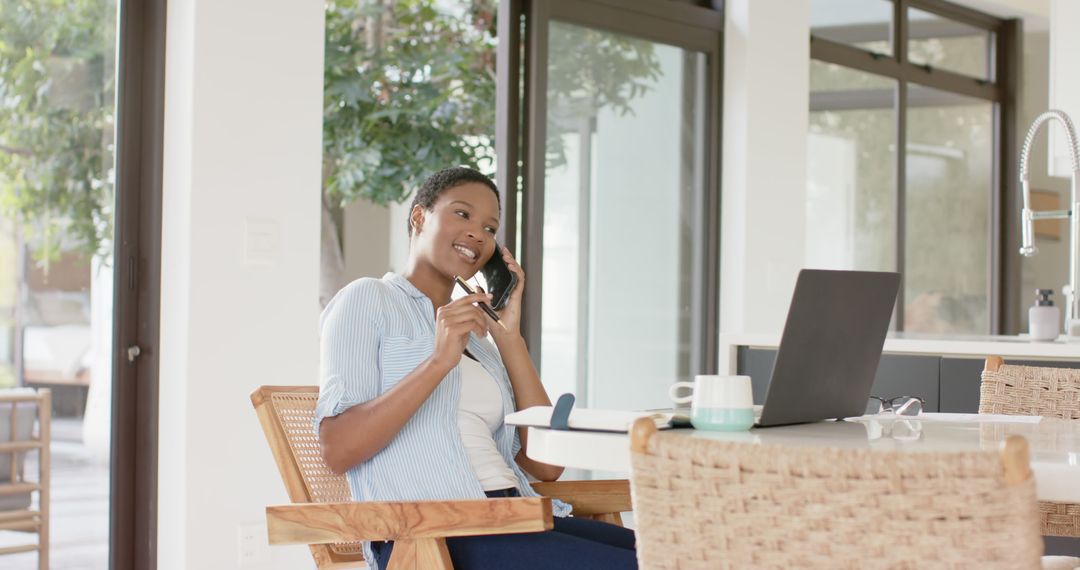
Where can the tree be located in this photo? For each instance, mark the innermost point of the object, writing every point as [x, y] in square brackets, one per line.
[56, 120]
[410, 89]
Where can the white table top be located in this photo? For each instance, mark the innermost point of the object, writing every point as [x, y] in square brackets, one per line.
[1055, 444]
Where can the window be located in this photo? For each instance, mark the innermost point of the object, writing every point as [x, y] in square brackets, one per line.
[909, 112]
[619, 186]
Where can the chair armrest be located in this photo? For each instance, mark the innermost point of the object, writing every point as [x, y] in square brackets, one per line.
[322, 523]
[590, 497]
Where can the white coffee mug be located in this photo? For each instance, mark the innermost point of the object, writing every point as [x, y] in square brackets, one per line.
[721, 403]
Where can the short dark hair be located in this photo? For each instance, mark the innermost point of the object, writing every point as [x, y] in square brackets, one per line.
[446, 179]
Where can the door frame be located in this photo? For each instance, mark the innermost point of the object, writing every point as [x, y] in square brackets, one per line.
[140, 106]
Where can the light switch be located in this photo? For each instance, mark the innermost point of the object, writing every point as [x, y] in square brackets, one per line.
[262, 242]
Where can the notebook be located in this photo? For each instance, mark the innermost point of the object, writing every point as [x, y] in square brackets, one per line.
[594, 419]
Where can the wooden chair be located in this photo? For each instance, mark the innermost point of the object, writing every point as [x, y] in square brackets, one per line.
[324, 516]
[17, 411]
[1035, 391]
[708, 504]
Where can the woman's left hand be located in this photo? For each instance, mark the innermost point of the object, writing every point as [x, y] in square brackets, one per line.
[510, 314]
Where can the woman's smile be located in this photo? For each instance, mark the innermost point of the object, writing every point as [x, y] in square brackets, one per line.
[468, 253]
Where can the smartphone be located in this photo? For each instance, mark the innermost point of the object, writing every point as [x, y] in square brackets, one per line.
[500, 280]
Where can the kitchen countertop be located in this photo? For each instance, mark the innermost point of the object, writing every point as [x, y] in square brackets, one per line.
[972, 346]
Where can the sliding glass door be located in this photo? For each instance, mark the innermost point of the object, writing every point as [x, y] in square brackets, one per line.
[619, 197]
[80, 179]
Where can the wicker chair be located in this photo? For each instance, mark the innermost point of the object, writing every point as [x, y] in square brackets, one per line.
[1035, 391]
[18, 410]
[324, 516]
[708, 504]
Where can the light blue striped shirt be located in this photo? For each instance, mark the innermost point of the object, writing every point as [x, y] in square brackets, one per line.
[374, 332]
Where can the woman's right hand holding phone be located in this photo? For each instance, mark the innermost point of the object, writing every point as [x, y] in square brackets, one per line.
[453, 323]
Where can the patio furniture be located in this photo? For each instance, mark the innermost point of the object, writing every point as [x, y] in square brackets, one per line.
[18, 410]
[1036, 391]
[707, 503]
[324, 516]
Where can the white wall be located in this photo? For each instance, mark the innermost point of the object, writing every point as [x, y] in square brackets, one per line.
[1064, 81]
[240, 264]
[766, 106]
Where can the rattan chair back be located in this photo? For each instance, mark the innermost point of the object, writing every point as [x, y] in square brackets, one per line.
[707, 504]
[1035, 391]
[1029, 390]
[287, 414]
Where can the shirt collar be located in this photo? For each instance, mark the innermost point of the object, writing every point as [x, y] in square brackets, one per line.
[404, 284]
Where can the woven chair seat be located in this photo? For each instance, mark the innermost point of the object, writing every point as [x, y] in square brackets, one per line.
[707, 504]
[1036, 391]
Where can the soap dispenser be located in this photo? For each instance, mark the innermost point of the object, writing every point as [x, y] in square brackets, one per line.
[1044, 319]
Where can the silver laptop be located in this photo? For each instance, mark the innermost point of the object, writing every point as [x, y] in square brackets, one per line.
[831, 346]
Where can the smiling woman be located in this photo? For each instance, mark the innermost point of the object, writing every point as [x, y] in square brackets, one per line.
[418, 375]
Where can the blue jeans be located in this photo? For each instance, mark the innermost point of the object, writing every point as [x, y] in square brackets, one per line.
[578, 544]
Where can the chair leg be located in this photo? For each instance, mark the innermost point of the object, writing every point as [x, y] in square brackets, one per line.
[420, 554]
[43, 543]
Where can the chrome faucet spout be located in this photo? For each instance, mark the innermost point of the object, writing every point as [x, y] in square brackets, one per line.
[1029, 216]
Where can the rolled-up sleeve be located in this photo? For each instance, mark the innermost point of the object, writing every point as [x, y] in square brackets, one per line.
[350, 334]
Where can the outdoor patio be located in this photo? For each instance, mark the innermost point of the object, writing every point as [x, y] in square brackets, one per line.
[79, 519]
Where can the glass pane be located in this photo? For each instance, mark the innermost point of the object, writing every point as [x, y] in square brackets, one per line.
[57, 80]
[618, 215]
[866, 24]
[851, 170]
[948, 44]
[947, 235]
[409, 89]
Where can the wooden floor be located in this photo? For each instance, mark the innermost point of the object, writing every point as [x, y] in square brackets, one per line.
[80, 508]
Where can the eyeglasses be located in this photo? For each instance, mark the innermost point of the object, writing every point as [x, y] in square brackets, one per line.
[900, 405]
[897, 429]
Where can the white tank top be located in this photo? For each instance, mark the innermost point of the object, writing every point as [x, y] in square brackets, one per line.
[480, 413]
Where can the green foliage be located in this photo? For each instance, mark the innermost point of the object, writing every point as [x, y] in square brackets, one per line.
[410, 89]
[56, 114]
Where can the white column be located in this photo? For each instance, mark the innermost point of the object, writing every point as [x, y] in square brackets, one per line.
[240, 266]
[97, 427]
[766, 99]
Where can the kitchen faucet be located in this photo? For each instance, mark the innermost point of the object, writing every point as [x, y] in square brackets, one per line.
[1028, 249]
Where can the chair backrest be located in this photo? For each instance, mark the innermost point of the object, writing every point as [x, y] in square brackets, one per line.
[19, 409]
[287, 414]
[16, 426]
[1029, 390]
[702, 503]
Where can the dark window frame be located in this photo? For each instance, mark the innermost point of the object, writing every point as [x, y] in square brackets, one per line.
[140, 112]
[1000, 89]
[520, 124]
